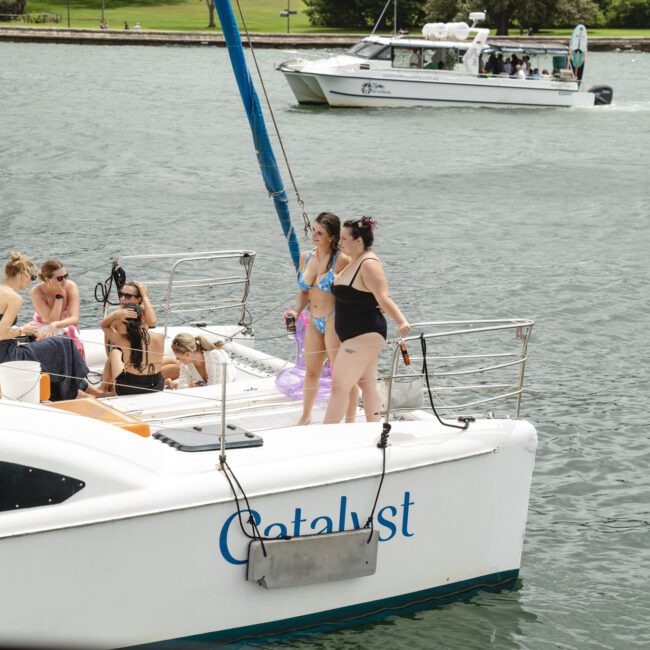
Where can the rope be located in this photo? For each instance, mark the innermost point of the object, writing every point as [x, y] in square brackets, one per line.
[301, 203]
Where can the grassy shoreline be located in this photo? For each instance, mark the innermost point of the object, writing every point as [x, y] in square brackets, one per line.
[192, 15]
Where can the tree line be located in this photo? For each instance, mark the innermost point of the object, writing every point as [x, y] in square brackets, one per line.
[525, 15]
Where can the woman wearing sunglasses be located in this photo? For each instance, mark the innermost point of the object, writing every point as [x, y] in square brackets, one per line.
[57, 355]
[135, 359]
[56, 304]
[131, 295]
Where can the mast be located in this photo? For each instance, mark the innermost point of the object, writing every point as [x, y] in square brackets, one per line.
[265, 156]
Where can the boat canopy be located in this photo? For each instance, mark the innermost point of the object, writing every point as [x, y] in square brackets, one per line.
[531, 49]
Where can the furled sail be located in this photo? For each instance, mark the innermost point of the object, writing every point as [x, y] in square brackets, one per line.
[265, 156]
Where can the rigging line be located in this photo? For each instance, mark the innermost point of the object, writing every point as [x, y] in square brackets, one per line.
[305, 217]
[383, 11]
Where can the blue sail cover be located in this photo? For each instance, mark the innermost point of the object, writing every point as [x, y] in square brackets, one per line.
[265, 156]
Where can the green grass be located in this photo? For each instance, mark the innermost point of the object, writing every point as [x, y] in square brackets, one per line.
[192, 15]
[174, 15]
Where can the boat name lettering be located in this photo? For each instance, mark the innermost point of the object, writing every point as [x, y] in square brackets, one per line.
[391, 521]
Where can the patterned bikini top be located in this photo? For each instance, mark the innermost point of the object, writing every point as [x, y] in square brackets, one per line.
[325, 283]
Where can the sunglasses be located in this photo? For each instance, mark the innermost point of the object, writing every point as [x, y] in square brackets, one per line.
[59, 278]
[32, 277]
[128, 296]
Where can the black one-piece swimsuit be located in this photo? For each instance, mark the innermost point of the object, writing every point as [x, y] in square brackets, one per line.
[356, 312]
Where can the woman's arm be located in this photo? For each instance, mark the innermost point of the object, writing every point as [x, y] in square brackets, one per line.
[108, 324]
[50, 288]
[372, 275]
[7, 328]
[302, 297]
[149, 313]
[52, 315]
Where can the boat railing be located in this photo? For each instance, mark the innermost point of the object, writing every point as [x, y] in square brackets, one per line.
[193, 283]
[483, 361]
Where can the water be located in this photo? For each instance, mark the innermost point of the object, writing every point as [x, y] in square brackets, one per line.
[482, 213]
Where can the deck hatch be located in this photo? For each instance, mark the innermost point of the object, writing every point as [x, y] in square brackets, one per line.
[208, 437]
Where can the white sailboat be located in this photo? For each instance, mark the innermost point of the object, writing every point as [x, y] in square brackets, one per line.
[205, 514]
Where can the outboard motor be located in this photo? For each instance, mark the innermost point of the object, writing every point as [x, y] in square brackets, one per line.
[604, 95]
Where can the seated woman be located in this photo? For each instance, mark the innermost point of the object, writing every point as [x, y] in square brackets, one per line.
[56, 303]
[57, 355]
[136, 354]
[201, 363]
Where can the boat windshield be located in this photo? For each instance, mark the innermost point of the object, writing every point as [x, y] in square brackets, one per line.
[369, 50]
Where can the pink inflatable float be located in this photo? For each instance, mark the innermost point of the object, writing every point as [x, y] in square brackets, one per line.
[290, 380]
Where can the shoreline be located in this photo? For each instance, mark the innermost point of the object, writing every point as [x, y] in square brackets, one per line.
[290, 41]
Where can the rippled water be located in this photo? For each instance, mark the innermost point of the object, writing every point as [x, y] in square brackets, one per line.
[482, 213]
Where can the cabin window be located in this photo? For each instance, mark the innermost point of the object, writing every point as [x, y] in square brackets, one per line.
[367, 50]
[22, 486]
[407, 57]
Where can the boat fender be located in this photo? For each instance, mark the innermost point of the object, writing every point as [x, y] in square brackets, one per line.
[604, 95]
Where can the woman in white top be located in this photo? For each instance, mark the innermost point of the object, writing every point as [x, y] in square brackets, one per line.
[201, 362]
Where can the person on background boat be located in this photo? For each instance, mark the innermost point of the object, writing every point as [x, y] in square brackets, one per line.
[361, 295]
[136, 354]
[415, 61]
[519, 73]
[57, 355]
[56, 303]
[318, 268]
[201, 363]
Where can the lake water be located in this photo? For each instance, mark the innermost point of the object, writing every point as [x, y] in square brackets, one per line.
[482, 214]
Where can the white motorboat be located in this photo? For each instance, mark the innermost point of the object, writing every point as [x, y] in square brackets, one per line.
[127, 509]
[444, 69]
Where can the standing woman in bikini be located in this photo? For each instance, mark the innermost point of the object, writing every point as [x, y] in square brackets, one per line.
[361, 295]
[317, 269]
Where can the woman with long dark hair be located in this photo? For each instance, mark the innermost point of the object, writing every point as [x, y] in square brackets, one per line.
[136, 354]
[317, 269]
[361, 295]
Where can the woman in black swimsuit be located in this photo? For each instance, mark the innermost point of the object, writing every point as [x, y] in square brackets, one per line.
[361, 294]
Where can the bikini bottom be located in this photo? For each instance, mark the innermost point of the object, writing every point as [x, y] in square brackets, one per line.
[127, 383]
[320, 323]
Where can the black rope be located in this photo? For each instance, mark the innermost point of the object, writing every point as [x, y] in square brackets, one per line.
[117, 276]
[465, 419]
[382, 444]
[227, 471]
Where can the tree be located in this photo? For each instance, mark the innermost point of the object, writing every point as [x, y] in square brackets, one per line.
[629, 13]
[362, 14]
[525, 14]
[210, 4]
[11, 8]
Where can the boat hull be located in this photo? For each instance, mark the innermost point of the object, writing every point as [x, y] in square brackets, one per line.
[424, 89]
[448, 526]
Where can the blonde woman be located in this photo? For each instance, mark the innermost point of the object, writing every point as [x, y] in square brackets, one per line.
[57, 355]
[56, 303]
[201, 362]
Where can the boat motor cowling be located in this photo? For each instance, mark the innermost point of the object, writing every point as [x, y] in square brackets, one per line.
[604, 95]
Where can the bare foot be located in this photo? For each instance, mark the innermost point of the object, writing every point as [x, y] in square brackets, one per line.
[303, 421]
